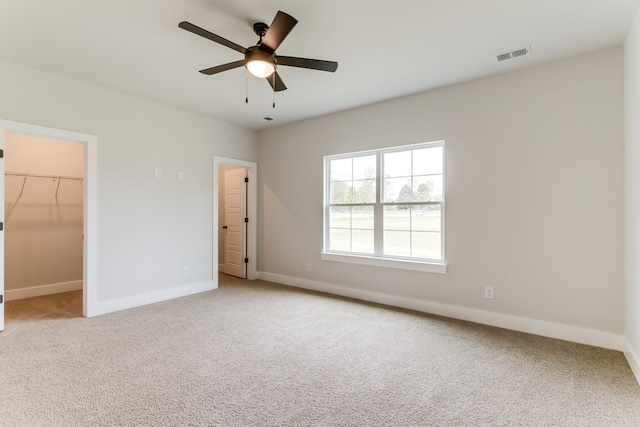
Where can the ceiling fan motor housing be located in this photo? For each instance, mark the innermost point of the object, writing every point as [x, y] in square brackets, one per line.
[260, 28]
[254, 53]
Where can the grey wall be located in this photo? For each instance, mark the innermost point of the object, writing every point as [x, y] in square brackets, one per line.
[535, 192]
[632, 156]
[148, 228]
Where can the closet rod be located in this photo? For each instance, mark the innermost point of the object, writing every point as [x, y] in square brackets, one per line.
[28, 175]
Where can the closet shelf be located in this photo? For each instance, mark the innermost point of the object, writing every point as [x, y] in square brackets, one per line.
[59, 178]
[30, 175]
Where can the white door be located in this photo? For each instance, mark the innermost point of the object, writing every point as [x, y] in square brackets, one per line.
[235, 226]
[2, 232]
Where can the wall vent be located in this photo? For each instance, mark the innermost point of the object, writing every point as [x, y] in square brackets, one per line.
[523, 51]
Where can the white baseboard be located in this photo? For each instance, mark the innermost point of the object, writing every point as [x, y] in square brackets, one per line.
[634, 361]
[38, 291]
[152, 297]
[532, 326]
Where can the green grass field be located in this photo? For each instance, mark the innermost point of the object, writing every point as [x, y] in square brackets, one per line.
[405, 234]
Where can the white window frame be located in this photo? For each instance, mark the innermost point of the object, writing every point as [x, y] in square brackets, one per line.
[378, 259]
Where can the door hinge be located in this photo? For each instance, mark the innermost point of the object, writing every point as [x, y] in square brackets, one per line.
[246, 260]
[246, 179]
[1, 298]
[246, 220]
[1, 226]
[1, 154]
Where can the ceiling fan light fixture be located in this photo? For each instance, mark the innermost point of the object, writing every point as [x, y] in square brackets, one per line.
[259, 63]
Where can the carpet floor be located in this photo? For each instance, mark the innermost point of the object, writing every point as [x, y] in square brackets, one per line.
[261, 354]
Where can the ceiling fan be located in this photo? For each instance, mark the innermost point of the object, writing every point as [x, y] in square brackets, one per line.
[261, 60]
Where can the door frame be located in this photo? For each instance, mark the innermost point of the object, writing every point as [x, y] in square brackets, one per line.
[90, 214]
[252, 212]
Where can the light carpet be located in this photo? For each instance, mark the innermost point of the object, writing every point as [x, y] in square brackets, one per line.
[261, 354]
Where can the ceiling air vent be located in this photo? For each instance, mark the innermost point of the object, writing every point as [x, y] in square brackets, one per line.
[266, 119]
[523, 51]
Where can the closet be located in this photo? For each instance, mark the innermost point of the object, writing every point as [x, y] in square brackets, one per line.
[43, 196]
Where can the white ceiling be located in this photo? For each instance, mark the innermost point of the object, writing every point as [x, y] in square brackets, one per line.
[384, 49]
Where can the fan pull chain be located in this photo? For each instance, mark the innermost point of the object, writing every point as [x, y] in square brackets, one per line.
[274, 89]
[246, 86]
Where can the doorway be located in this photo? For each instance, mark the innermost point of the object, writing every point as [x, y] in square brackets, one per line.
[89, 209]
[235, 246]
[233, 216]
[43, 201]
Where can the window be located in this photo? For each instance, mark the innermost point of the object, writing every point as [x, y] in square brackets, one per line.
[386, 205]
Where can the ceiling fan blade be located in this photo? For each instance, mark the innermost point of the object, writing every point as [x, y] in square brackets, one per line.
[220, 68]
[209, 35]
[314, 64]
[280, 28]
[279, 84]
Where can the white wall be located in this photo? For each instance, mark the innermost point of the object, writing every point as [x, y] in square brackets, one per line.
[535, 199]
[148, 228]
[632, 181]
[43, 216]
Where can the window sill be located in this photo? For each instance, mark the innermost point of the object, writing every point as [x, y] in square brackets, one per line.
[429, 267]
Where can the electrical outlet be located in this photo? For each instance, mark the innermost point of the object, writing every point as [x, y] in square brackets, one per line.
[488, 292]
[185, 271]
[309, 267]
[180, 176]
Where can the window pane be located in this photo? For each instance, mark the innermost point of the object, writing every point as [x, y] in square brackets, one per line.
[353, 180]
[362, 217]
[426, 245]
[364, 167]
[352, 229]
[341, 192]
[426, 218]
[427, 161]
[397, 218]
[397, 164]
[340, 233]
[362, 241]
[341, 170]
[340, 240]
[397, 243]
[340, 217]
[397, 190]
[412, 231]
[427, 188]
[364, 191]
